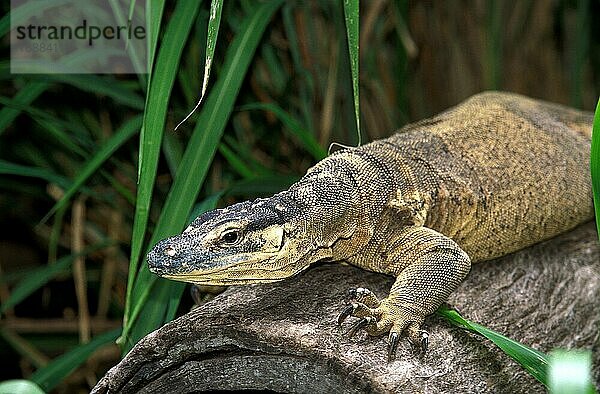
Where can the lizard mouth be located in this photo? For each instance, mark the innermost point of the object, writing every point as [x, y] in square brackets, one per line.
[227, 277]
[263, 268]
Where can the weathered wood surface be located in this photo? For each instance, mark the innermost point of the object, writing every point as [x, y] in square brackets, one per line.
[283, 336]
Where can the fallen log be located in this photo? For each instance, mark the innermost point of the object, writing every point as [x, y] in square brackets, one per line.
[283, 336]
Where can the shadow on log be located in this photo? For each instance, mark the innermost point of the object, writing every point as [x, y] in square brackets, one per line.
[283, 336]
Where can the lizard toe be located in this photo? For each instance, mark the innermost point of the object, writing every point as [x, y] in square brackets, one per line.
[365, 296]
[419, 338]
[364, 322]
[387, 318]
[356, 309]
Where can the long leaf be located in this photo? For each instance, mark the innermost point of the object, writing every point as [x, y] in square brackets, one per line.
[125, 132]
[211, 40]
[106, 85]
[42, 276]
[120, 91]
[52, 374]
[9, 168]
[351, 8]
[569, 372]
[20, 386]
[308, 140]
[533, 361]
[24, 12]
[161, 83]
[194, 166]
[52, 124]
[595, 164]
[25, 96]
[154, 14]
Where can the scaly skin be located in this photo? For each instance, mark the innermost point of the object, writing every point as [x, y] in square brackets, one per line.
[491, 176]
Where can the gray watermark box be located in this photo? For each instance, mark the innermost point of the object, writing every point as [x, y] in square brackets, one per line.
[78, 36]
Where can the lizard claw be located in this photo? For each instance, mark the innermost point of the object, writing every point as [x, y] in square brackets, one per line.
[393, 340]
[424, 340]
[348, 310]
[365, 321]
[380, 317]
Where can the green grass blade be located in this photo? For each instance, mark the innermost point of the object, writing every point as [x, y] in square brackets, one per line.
[261, 186]
[122, 92]
[214, 21]
[493, 48]
[24, 12]
[90, 83]
[533, 361]
[52, 374]
[308, 140]
[595, 164]
[130, 10]
[119, 14]
[235, 162]
[24, 97]
[161, 84]
[216, 6]
[58, 133]
[20, 386]
[43, 275]
[8, 168]
[105, 86]
[54, 125]
[194, 166]
[351, 8]
[122, 135]
[580, 52]
[173, 150]
[569, 372]
[23, 348]
[55, 233]
[154, 14]
[305, 79]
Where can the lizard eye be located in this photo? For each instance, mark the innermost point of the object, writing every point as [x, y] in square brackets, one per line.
[230, 237]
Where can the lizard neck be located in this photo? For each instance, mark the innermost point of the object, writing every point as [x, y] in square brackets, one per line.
[340, 199]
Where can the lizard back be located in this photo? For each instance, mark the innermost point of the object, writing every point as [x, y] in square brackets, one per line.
[502, 171]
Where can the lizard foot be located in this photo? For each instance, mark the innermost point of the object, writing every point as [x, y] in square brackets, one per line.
[380, 317]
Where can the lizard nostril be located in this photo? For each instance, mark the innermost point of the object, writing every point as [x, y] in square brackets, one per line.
[170, 252]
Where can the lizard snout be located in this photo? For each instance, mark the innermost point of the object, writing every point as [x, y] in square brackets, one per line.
[163, 257]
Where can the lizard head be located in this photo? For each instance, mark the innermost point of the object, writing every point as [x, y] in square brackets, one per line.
[249, 242]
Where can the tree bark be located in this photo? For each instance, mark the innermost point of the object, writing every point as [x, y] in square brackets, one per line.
[283, 336]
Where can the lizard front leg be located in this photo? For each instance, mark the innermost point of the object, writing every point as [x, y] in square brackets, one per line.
[428, 267]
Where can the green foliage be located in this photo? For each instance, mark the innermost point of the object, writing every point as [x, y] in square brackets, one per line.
[52, 374]
[569, 372]
[41, 276]
[216, 8]
[533, 361]
[19, 386]
[190, 175]
[307, 139]
[595, 164]
[161, 82]
[128, 130]
[351, 13]
[286, 69]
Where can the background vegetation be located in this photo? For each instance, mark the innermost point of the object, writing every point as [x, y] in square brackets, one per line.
[76, 224]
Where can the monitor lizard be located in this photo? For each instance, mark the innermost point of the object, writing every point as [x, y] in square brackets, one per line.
[493, 175]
